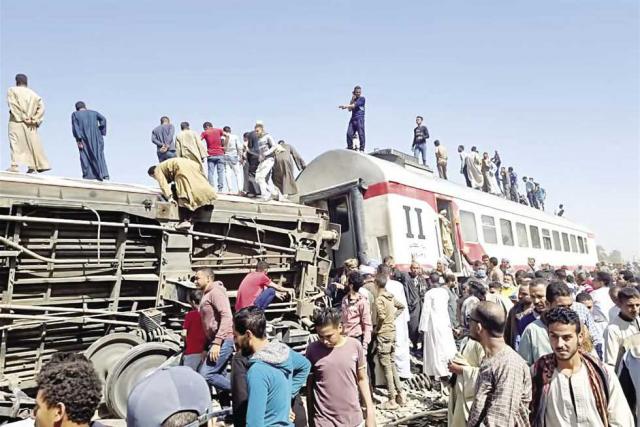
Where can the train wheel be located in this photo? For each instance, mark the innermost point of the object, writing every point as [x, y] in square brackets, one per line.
[136, 364]
[108, 350]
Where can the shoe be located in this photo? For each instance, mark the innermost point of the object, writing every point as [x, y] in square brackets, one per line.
[390, 405]
[31, 170]
[401, 399]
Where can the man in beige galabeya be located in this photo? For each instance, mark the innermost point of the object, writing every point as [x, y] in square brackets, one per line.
[26, 111]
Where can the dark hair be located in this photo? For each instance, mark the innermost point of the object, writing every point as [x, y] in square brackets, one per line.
[494, 261]
[460, 146]
[561, 273]
[491, 316]
[495, 285]
[571, 279]
[164, 119]
[180, 419]
[627, 275]
[538, 281]
[152, 170]
[67, 356]
[80, 105]
[195, 296]
[420, 117]
[381, 280]
[262, 265]
[604, 277]
[184, 125]
[245, 135]
[21, 79]
[357, 87]
[326, 317]
[474, 148]
[250, 319]
[384, 269]
[510, 169]
[541, 274]
[434, 278]
[226, 129]
[356, 280]
[207, 125]
[477, 289]
[583, 296]
[209, 272]
[436, 143]
[563, 315]
[387, 258]
[555, 290]
[74, 383]
[449, 278]
[627, 293]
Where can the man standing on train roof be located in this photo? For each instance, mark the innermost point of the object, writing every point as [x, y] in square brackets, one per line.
[540, 195]
[560, 210]
[162, 137]
[529, 187]
[191, 190]
[513, 181]
[356, 123]
[420, 136]
[89, 127]
[463, 165]
[441, 159]
[26, 111]
[496, 161]
[474, 171]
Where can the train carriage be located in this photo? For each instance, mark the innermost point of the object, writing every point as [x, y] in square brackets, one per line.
[386, 203]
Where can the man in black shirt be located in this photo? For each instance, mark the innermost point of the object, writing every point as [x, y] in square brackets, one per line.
[420, 136]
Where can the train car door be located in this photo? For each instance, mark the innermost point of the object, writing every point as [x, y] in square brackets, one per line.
[445, 205]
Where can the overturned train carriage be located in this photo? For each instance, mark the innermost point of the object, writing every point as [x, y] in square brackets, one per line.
[100, 268]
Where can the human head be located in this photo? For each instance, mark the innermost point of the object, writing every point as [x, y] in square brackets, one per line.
[381, 281]
[487, 320]
[523, 294]
[384, 270]
[164, 120]
[195, 296]
[474, 148]
[485, 155]
[357, 91]
[226, 129]
[328, 324]
[204, 278]
[207, 125]
[524, 178]
[531, 262]
[245, 136]
[151, 171]
[414, 269]
[350, 265]
[510, 169]
[493, 261]
[249, 329]
[69, 391]
[168, 397]
[538, 293]
[509, 281]
[629, 302]
[262, 266]
[477, 290]
[80, 106]
[626, 276]
[585, 299]
[184, 125]
[495, 287]
[355, 280]
[561, 206]
[602, 278]
[419, 120]
[388, 261]
[460, 148]
[21, 80]
[558, 295]
[565, 334]
[450, 280]
[436, 143]
[561, 274]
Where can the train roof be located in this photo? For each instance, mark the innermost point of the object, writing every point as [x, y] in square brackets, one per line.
[338, 167]
[61, 191]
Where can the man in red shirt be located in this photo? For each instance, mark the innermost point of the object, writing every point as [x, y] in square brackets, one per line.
[215, 152]
[257, 289]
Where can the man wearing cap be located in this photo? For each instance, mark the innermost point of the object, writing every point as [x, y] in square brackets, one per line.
[26, 111]
[169, 397]
[215, 311]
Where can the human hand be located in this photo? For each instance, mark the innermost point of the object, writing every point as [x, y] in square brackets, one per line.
[164, 148]
[214, 353]
[292, 415]
[454, 368]
[80, 145]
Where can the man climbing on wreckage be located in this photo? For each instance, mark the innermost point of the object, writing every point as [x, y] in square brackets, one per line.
[191, 190]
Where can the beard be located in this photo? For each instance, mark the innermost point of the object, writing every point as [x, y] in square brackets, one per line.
[566, 354]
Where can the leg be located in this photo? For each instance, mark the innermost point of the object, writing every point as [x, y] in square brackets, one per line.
[261, 177]
[220, 168]
[214, 372]
[192, 360]
[210, 166]
[351, 132]
[360, 128]
[265, 298]
[444, 171]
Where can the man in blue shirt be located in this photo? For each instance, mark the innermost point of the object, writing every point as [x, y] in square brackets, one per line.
[356, 123]
[162, 138]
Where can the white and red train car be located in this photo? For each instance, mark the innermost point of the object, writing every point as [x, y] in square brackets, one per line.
[387, 204]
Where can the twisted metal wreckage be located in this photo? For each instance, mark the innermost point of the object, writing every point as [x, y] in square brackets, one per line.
[99, 268]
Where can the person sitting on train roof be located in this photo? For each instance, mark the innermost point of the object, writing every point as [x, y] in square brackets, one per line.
[191, 190]
[356, 123]
[560, 210]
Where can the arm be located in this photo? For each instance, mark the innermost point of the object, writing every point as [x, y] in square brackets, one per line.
[155, 140]
[301, 369]
[39, 114]
[102, 124]
[426, 132]
[75, 129]
[164, 184]
[202, 150]
[382, 313]
[619, 413]
[223, 307]
[179, 146]
[298, 160]
[399, 307]
[239, 391]
[14, 106]
[611, 345]
[257, 389]
[310, 401]
[367, 327]
[365, 392]
[272, 146]
[526, 347]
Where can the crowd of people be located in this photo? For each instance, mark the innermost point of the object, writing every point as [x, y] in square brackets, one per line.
[537, 346]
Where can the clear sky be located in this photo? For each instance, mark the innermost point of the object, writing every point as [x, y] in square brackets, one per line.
[553, 85]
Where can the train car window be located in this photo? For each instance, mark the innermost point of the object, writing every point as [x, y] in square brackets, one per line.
[581, 244]
[339, 213]
[556, 241]
[565, 242]
[586, 245]
[535, 237]
[574, 244]
[521, 231]
[507, 232]
[546, 239]
[489, 229]
[468, 225]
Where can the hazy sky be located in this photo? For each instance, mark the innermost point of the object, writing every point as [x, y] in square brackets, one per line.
[553, 85]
